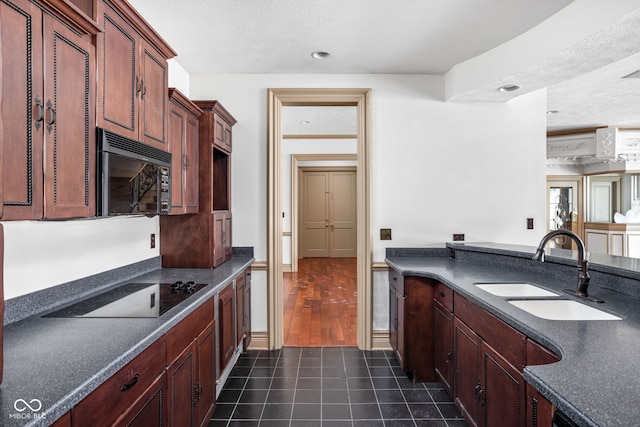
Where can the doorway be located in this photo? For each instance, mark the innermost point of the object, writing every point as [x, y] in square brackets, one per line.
[565, 209]
[361, 99]
[320, 292]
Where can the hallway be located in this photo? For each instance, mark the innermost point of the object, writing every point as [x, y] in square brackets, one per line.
[320, 303]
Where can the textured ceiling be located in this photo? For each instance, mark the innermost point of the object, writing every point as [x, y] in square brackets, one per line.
[410, 37]
[328, 120]
[363, 36]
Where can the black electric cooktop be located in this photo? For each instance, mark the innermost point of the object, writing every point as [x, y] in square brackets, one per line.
[132, 300]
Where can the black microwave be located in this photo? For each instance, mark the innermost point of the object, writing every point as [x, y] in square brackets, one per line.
[133, 178]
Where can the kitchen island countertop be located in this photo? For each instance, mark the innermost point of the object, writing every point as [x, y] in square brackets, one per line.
[595, 382]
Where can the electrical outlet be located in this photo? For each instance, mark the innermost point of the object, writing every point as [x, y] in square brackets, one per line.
[529, 223]
[153, 240]
[458, 237]
[385, 234]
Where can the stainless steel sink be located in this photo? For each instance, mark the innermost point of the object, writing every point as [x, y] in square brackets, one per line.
[562, 309]
[516, 290]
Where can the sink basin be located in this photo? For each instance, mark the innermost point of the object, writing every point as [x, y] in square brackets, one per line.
[515, 290]
[561, 309]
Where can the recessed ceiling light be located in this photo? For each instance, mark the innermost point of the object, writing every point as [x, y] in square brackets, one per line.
[552, 112]
[305, 122]
[320, 55]
[508, 88]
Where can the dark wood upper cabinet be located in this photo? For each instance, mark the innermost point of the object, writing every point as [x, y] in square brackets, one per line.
[48, 125]
[132, 75]
[209, 231]
[183, 145]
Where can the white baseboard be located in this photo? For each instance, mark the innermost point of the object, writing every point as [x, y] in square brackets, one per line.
[380, 340]
[259, 341]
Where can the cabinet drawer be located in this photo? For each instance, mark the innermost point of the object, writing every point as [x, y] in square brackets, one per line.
[396, 281]
[444, 296]
[115, 395]
[503, 338]
[190, 327]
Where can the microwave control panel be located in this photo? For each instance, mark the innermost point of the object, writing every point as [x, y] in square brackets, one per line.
[164, 190]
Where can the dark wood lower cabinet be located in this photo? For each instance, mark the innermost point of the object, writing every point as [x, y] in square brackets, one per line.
[226, 320]
[149, 409]
[466, 348]
[443, 329]
[191, 350]
[121, 393]
[503, 391]
[206, 393]
[489, 389]
[182, 383]
[478, 358]
[411, 325]
[191, 383]
[171, 383]
[539, 409]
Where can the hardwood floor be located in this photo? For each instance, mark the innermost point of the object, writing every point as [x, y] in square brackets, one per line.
[320, 303]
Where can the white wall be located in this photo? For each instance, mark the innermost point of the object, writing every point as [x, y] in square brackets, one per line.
[178, 77]
[438, 168]
[42, 254]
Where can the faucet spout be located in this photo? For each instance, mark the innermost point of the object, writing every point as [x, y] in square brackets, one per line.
[583, 265]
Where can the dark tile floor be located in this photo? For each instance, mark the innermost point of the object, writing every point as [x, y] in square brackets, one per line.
[336, 386]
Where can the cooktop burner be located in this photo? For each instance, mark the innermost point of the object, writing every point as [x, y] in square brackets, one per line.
[132, 300]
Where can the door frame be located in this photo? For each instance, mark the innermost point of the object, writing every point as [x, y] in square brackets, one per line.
[277, 99]
[296, 172]
[577, 182]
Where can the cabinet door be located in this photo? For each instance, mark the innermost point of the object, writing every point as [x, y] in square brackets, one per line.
[221, 242]
[118, 83]
[22, 109]
[206, 396]
[539, 409]
[149, 409]
[222, 133]
[216, 243]
[502, 393]
[467, 385]
[226, 319]
[153, 88]
[443, 326]
[226, 237]
[69, 128]
[182, 386]
[177, 128]
[191, 160]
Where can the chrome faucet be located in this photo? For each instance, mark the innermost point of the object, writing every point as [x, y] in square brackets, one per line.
[583, 265]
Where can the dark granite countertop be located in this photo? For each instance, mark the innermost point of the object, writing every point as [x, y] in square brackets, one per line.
[594, 383]
[59, 361]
